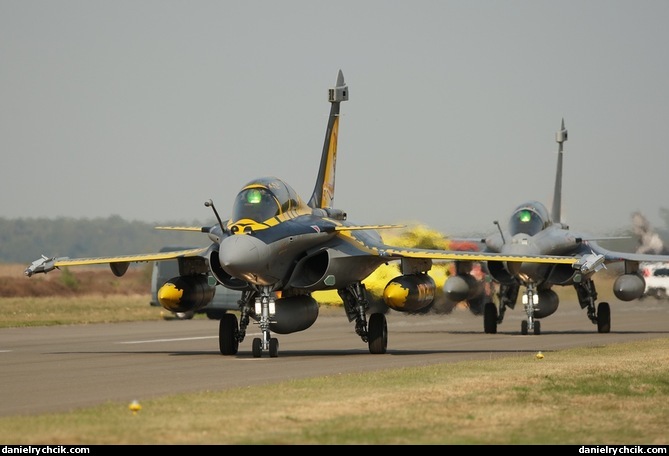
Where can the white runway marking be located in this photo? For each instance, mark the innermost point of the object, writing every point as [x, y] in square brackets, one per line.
[154, 341]
[165, 340]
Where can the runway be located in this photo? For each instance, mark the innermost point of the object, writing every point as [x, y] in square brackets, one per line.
[54, 369]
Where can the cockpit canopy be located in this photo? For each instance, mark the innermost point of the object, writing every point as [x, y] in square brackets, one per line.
[263, 199]
[529, 218]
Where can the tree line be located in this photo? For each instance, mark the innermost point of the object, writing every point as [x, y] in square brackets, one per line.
[23, 240]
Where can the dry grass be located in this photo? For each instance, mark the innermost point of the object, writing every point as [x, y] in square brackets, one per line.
[86, 309]
[87, 295]
[74, 282]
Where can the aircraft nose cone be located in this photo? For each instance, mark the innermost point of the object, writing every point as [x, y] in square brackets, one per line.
[521, 245]
[243, 256]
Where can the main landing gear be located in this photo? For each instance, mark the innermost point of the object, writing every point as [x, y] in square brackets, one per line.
[587, 296]
[375, 333]
[491, 319]
[231, 332]
[508, 294]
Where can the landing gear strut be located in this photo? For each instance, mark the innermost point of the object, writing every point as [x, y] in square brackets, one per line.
[355, 304]
[265, 311]
[508, 294]
[230, 334]
[587, 296]
[530, 301]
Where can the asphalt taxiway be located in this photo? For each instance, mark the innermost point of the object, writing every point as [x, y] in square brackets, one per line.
[51, 369]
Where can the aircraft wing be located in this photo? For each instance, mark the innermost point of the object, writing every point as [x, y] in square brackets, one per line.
[363, 227]
[612, 256]
[119, 264]
[200, 229]
[475, 256]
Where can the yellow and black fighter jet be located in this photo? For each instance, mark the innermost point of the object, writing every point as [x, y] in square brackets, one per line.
[278, 249]
[532, 230]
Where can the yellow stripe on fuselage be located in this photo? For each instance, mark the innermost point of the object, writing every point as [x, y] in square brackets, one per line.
[244, 224]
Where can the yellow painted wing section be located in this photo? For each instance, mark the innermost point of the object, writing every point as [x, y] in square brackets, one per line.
[159, 256]
[477, 256]
[180, 228]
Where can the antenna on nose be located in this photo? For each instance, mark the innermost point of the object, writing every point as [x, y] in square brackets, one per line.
[500, 231]
[210, 203]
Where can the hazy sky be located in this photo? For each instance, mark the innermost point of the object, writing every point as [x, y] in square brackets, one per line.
[145, 109]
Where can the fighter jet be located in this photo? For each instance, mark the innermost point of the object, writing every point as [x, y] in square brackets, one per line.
[277, 249]
[532, 230]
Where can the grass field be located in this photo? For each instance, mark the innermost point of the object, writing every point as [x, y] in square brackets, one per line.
[612, 395]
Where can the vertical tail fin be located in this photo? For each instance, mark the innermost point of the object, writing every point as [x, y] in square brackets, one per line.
[323, 194]
[560, 137]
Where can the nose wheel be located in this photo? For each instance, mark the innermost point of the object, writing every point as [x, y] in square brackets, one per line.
[272, 347]
[525, 327]
[530, 301]
[265, 310]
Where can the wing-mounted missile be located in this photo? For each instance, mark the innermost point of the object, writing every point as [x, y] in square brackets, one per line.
[409, 292]
[42, 265]
[590, 263]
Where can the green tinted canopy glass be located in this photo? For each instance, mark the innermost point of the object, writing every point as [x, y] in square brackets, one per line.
[525, 216]
[254, 196]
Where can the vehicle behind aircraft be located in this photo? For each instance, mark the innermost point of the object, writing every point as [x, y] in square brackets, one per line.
[657, 280]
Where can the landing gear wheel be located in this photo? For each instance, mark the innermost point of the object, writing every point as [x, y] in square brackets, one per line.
[377, 334]
[256, 347]
[523, 327]
[227, 335]
[537, 328]
[603, 317]
[490, 318]
[273, 347]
